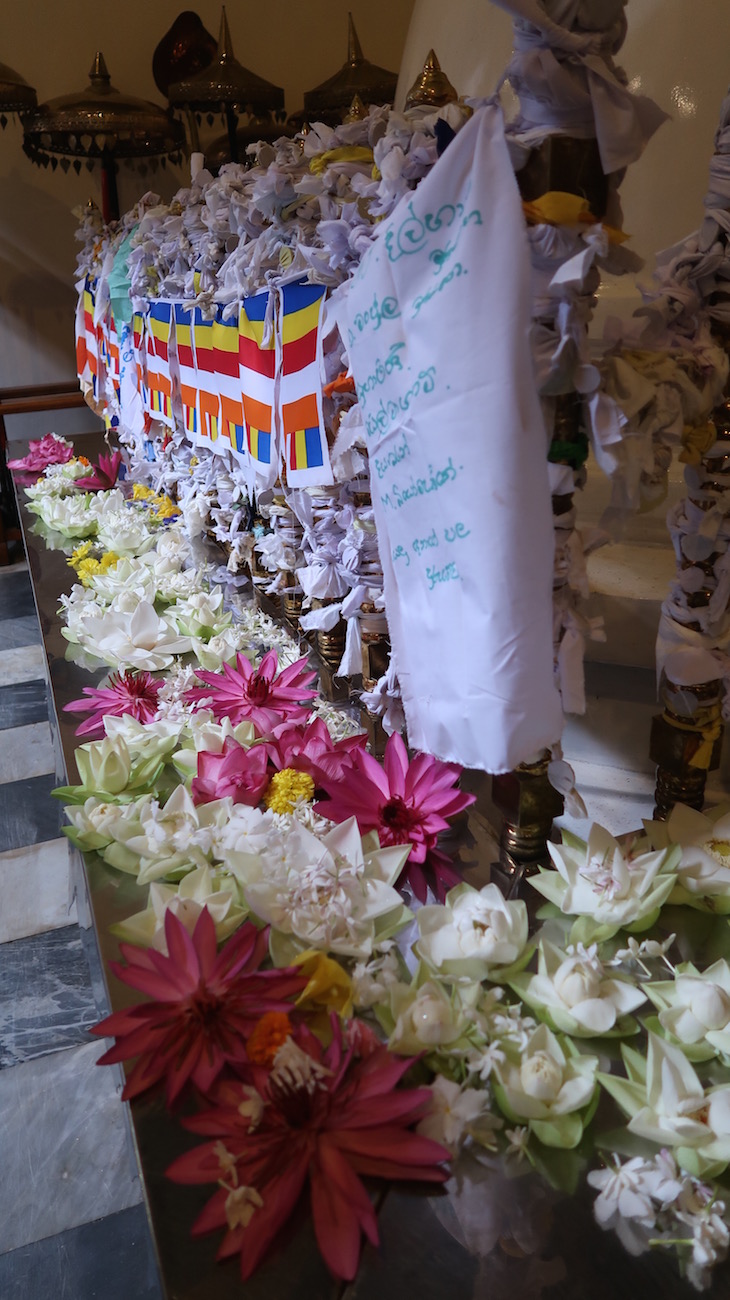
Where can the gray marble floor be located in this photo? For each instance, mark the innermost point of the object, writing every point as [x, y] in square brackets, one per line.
[23, 703]
[67, 1153]
[72, 1226]
[16, 595]
[28, 814]
[17, 632]
[111, 1259]
[46, 999]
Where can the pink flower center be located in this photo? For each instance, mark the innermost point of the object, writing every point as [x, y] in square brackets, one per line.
[258, 689]
[399, 818]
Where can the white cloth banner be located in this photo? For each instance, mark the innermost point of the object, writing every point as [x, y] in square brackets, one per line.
[436, 322]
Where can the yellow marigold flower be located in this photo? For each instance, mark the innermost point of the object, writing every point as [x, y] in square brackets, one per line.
[86, 570]
[141, 493]
[109, 560]
[165, 508]
[268, 1035]
[80, 553]
[328, 985]
[286, 788]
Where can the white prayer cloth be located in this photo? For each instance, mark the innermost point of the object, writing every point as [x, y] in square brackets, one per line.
[436, 323]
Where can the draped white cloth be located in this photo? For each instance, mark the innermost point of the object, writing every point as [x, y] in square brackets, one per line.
[436, 323]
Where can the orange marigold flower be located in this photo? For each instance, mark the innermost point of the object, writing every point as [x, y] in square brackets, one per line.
[267, 1037]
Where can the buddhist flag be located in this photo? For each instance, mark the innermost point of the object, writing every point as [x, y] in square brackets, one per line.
[306, 454]
[206, 380]
[228, 375]
[257, 357]
[82, 364]
[113, 366]
[260, 440]
[301, 312]
[188, 372]
[90, 335]
[159, 379]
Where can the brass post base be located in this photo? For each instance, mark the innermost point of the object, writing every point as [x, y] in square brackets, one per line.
[529, 805]
[685, 743]
[672, 788]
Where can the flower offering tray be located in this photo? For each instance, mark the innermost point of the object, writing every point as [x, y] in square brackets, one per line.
[505, 1225]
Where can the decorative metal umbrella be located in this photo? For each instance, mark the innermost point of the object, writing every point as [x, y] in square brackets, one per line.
[16, 96]
[101, 124]
[225, 87]
[330, 101]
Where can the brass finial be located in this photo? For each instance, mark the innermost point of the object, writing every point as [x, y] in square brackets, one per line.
[225, 45]
[99, 73]
[356, 112]
[354, 49]
[431, 87]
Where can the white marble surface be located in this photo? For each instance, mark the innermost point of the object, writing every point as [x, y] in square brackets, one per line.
[27, 751]
[66, 1151]
[22, 665]
[34, 884]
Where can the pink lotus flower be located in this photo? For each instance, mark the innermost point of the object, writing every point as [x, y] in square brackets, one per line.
[205, 1005]
[127, 692]
[326, 1118]
[104, 474]
[405, 803]
[257, 694]
[45, 451]
[242, 774]
[311, 749]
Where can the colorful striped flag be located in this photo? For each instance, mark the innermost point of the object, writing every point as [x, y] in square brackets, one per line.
[206, 381]
[306, 454]
[257, 357]
[300, 321]
[301, 424]
[228, 376]
[186, 366]
[158, 329]
[259, 431]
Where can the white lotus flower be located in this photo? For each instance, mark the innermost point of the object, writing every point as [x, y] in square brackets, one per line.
[327, 893]
[474, 935]
[547, 1087]
[141, 639]
[425, 1016]
[200, 888]
[124, 531]
[668, 1105]
[68, 515]
[606, 885]
[168, 840]
[95, 824]
[694, 1008]
[574, 992]
[128, 575]
[704, 869]
[200, 614]
[222, 648]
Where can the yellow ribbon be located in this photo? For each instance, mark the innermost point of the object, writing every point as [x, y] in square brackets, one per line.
[345, 153]
[710, 731]
[696, 442]
[558, 208]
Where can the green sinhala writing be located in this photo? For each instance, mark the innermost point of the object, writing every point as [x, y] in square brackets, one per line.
[419, 487]
[389, 412]
[373, 316]
[391, 458]
[383, 368]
